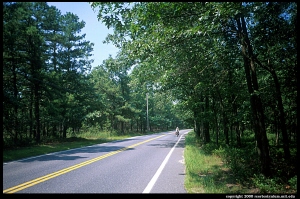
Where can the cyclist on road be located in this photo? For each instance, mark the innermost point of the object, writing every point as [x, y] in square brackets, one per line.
[177, 131]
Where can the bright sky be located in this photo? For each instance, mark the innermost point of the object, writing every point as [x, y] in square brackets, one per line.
[95, 31]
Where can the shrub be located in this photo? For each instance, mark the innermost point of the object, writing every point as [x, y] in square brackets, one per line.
[243, 163]
[293, 182]
[268, 185]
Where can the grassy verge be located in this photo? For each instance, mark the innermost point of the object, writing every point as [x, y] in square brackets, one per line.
[229, 170]
[55, 145]
[206, 172]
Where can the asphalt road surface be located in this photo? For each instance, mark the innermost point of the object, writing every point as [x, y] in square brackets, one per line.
[142, 164]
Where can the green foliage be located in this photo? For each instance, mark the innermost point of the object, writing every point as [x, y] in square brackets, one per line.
[189, 58]
[196, 52]
[293, 182]
[268, 186]
[238, 169]
[243, 162]
[45, 66]
[205, 170]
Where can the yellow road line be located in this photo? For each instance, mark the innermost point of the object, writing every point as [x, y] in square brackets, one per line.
[68, 169]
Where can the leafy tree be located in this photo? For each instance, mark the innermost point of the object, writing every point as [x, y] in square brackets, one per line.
[73, 63]
[45, 71]
[10, 74]
[201, 52]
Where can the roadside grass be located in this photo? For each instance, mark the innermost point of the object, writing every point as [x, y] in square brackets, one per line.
[55, 145]
[230, 170]
[205, 173]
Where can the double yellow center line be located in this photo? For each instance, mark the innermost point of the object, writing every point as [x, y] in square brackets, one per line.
[66, 170]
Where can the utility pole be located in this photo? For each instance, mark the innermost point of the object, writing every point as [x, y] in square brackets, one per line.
[147, 113]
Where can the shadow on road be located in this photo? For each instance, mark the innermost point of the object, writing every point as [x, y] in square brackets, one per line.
[70, 154]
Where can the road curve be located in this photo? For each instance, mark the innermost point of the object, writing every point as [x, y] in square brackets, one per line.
[142, 164]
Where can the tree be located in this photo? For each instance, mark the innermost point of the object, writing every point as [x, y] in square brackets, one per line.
[11, 58]
[43, 77]
[280, 14]
[255, 100]
[73, 64]
[195, 42]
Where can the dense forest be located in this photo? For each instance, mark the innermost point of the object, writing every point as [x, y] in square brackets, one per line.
[51, 91]
[231, 66]
[228, 70]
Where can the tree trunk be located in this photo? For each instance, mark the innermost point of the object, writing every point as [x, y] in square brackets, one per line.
[217, 133]
[217, 129]
[37, 112]
[283, 128]
[255, 101]
[64, 126]
[281, 117]
[225, 120]
[225, 127]
[280, 107]
[122, 128]
[31, 134]
[238, 135]
[15, 104]
[142, 125]
[196, 124]
[206, 123]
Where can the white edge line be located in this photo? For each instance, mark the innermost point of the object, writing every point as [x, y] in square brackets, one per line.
[159, 170]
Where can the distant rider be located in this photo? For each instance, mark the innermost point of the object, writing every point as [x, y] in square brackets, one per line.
[177, 131]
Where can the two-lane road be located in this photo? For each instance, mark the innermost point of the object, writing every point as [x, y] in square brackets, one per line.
[142, 164]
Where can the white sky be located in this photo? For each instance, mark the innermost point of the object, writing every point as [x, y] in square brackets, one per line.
[95, 31]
